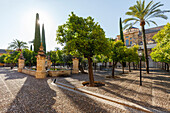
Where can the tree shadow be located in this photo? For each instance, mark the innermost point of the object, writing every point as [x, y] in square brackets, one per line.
[83, 102]
[35, 95]
[114, 87]
[145, 104]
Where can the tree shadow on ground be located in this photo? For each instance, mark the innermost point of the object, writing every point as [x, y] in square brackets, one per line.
[145, 104]
[82, 102]
[35, 95]
[118, 87]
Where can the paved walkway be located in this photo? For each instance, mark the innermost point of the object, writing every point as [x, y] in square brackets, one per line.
[23, 93]
[154, 93]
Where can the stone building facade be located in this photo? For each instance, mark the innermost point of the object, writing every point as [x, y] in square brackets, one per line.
[133, 36]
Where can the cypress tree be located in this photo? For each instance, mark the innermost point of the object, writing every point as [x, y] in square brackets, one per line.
[37, 39]
[43, 38]
[122, 38]
[31, 47]
[121, 31]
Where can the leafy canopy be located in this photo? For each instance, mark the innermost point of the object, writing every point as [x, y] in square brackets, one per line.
[83, 36]
[117, 52]
[140, 12]
[17, 44]
[161, 53]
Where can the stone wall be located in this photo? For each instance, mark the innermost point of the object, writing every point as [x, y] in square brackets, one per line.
[29, 72]
[59, 73]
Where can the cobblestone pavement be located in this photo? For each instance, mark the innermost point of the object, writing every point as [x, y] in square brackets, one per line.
[154, 92]
[21, 93]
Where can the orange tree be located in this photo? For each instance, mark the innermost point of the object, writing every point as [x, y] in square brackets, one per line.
[85, 37]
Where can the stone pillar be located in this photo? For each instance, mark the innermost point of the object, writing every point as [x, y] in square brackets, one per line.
[41, 71]
[75, 66]
[21, 63]
[49, 63]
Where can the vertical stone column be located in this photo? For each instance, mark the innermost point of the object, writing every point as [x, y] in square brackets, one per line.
[21, 63]
[75, 65]
[41, 71]
[49, 63]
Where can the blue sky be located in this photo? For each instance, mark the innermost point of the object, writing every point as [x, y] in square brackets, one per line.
[17, 19]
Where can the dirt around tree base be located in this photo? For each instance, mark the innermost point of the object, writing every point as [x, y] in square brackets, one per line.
[114, 77]
[96, 83]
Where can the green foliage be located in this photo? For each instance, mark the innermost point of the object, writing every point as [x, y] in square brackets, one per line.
[121, 31]
[17, 44]
[2, 58]
[53, 56]
[142, 13]
[82, 36]
[100, 58]
[12, 58]
[117, 53]
[67, 58]
[30, 59]
[56, 56]
[132, 54]
[161, 53]
[37, 39]
[43, 38]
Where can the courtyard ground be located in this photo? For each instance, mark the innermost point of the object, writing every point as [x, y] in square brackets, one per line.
[23, 93]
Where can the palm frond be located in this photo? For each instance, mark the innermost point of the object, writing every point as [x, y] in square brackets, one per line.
[147, 23]
[130, 19]
[153, 22]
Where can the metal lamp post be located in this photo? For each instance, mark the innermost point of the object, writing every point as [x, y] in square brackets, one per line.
[140, 56]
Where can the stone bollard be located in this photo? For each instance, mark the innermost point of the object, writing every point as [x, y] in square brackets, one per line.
[41, 71]
[21, 62]
[75, 66]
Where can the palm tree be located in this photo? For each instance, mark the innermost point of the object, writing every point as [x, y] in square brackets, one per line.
[17, 44]
[143, 15]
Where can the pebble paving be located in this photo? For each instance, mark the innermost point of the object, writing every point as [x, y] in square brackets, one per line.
[21, 93]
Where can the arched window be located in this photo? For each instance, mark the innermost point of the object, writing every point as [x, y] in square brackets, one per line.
[127, 42]
[130, 42]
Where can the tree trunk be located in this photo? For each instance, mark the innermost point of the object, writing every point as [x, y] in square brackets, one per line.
[81, 69]
[113, 69]
[54, 66]
[167, 67]
[123, 68]
[145, 48]
[133, 65]
[129, 67]
[90, 71]
[95, 66]
[105, 64]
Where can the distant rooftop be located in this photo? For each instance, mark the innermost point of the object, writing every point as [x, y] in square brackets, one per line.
[152, 30]
[4, 51]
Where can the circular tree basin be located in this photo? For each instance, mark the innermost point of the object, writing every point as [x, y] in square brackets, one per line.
[96, 83]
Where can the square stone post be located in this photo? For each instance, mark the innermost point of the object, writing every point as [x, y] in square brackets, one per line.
[49, 63]
[41, 71]
[21, 63]
[75, 66]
